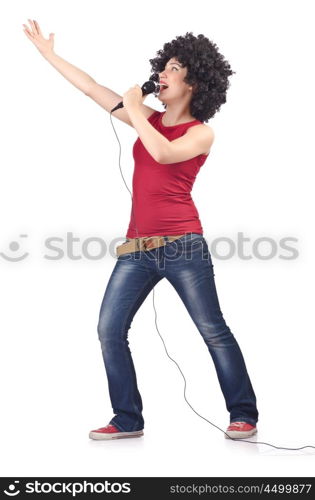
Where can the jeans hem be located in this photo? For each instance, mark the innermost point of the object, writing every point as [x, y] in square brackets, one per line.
[112, 422]
[244, 419]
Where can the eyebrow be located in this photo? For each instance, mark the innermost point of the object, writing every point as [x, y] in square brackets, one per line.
[176, 63]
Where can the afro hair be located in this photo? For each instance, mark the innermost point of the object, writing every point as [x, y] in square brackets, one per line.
[207, 72]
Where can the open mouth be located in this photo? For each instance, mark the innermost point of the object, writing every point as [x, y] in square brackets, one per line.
[163, 87]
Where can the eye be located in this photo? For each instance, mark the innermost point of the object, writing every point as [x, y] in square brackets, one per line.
[173, 67]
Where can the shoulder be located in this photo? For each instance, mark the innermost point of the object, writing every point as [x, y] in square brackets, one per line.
[201, 128]
[204, 132]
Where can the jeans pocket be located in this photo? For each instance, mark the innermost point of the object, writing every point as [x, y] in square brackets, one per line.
[190, 239]
[125, 256]
[187, 246]
[194, 245]
[186, 237]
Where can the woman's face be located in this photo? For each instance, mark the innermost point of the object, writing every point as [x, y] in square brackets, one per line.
[173, 75]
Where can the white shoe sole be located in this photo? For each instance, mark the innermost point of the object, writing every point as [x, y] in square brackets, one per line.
[239, 434]
[115, 435]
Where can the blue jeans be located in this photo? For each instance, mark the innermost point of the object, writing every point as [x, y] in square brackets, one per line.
[186, 263]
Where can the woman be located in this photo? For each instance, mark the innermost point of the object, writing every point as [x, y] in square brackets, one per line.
[165, 236]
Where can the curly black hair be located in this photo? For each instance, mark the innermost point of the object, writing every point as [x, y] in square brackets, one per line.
[207, 72]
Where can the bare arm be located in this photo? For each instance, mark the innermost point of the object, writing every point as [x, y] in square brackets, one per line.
[74, 75]
[81, 80]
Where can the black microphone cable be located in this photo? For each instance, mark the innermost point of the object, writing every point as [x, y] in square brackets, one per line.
[234, 439]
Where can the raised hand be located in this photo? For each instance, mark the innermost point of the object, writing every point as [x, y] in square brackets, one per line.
[35, 35]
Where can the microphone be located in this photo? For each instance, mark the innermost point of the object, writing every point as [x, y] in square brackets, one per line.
[147, 88]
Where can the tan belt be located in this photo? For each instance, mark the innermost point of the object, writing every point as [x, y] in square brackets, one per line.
[143, 243]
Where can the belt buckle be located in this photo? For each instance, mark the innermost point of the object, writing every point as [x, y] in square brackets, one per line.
[147, 244]
[141, 243]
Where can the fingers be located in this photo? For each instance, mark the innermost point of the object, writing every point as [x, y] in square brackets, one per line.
[38, 28]
[27, 29]
[34, 30]
[28, 32]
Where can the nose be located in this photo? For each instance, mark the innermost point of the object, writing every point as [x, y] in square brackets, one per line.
[162, 75]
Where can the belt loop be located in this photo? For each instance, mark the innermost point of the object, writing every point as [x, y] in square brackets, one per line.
[165, 238]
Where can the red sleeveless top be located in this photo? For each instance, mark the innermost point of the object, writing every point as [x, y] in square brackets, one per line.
[162, 203]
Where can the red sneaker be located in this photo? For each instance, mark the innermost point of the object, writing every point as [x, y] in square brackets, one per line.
[111, 432]
[240, 430]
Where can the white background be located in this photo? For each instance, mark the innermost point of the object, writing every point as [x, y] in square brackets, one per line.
[60, 173]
